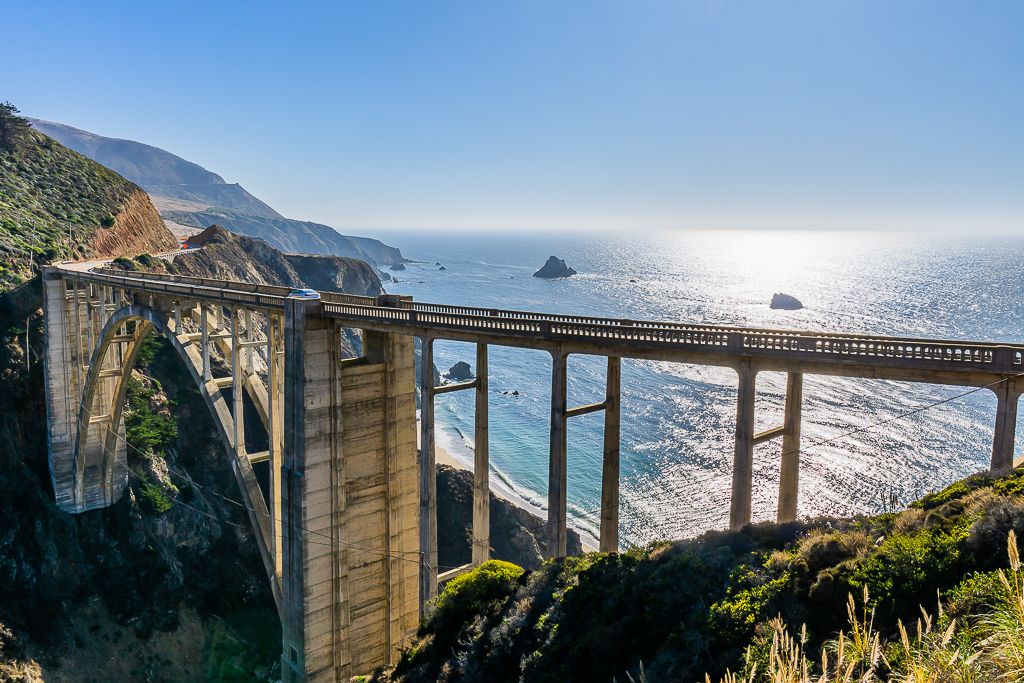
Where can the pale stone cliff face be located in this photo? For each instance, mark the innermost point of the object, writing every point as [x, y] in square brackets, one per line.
[137, 228]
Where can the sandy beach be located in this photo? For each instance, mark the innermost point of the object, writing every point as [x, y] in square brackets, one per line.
[499, 489]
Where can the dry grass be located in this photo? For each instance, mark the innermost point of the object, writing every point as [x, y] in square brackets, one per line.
[991, 652]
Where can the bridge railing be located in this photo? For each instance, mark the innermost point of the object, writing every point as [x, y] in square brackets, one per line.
[726, 339]
[738, 341]
[154, 283]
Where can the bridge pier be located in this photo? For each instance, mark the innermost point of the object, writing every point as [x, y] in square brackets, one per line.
[743, 457]
[1007, 397]
[789, 470]
[350, 500]
[609, 541]
[557, 534]
[428, 478]
[481, 465]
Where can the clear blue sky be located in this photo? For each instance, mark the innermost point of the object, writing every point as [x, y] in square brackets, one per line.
[555, 115]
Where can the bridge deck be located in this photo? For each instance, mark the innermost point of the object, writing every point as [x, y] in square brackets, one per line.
[858, 355]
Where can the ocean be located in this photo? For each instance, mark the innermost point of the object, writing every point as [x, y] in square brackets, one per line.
[678, 420]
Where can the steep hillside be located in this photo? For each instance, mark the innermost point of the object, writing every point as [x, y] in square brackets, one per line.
[57, 204]
[675, 611]
[162, 174]
[191, 196]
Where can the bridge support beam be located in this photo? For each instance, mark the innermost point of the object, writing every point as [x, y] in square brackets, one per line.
[481, 465]
[609, 541]
[275, 434]
[1007, 397]
[428, 478]
[743, 457]
[789, 472]
[557, 534]
[350, 501]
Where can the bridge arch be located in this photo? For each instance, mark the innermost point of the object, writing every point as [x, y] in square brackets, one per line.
[100, 462]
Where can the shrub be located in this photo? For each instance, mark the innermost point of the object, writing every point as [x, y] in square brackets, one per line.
[146, 429]
[471, 592]
[154, 498]
[108, 221]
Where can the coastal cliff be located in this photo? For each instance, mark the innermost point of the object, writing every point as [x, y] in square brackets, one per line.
[137, 228]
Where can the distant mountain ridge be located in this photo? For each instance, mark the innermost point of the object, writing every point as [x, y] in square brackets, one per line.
[159, 172]
[189, 195]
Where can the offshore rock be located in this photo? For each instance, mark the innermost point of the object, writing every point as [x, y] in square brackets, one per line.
[554, 268]
[785, 302]
[460, 372]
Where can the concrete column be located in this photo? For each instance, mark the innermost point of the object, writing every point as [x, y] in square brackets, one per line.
[177, 317]
[310, 360]
[63, 351]
[481, 465]
[428, 478]
[743, 458]
[204, 329]
[789, 472]
[1007, 396]
[238, 410]
[250, 335]
[275, 429]
[77, 331]
[557, 534]
[609, 541]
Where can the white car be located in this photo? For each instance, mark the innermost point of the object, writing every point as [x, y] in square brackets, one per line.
[303, 294]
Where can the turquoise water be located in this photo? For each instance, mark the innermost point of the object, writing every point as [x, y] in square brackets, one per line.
[678, 420]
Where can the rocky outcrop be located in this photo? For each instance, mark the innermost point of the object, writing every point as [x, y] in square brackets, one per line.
[554, 268]
[137, 228]
[227, 256]
[460, 372]
[785, 302]
[516, 535]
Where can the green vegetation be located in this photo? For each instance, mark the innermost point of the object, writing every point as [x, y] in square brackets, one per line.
[14, 130]
[242, 648]
[150, 430]
[147, 430]
[52, 200]
[984, 642]
[722, 603]
[154, 497]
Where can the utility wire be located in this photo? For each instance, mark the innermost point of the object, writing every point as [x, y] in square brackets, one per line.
[586, 513]
[192, 482]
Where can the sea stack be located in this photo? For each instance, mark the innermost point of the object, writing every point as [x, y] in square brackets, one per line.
[460, 372]
[785, 302]
[555, 267]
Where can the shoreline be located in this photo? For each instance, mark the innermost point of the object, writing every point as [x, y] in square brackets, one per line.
[443, 456]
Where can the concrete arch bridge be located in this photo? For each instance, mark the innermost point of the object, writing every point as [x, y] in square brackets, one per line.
[347, 527]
